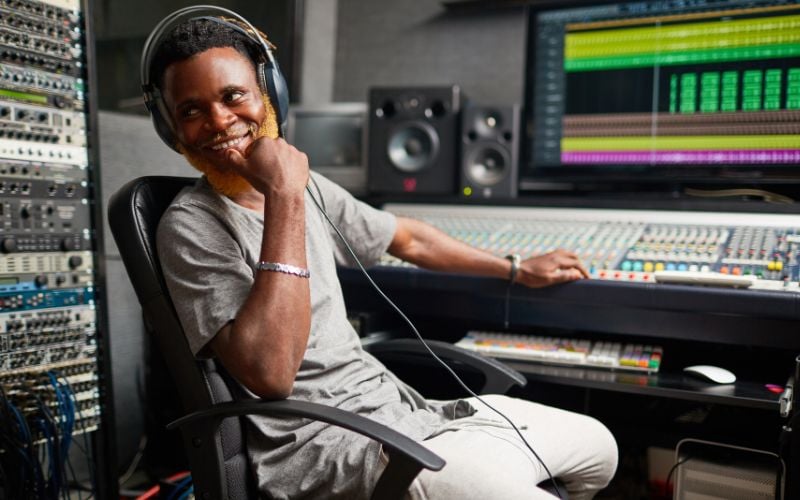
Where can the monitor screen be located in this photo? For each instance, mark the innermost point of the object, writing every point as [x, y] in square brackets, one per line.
[664, 90]
[332, 136]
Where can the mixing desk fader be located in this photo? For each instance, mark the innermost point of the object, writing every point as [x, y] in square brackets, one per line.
[746, 250]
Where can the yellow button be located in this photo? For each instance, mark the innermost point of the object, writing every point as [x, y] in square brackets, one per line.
[660, 266]
[778, 265]
[771, 265]
[648, 267]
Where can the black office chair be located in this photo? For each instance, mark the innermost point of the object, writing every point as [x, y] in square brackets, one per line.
[212, 429]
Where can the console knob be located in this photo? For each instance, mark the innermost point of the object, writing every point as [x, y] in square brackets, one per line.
[8, 245]
[75, 261]
[40, 280]
[67, 244]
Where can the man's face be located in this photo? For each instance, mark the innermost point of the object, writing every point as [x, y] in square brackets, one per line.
[216, 104]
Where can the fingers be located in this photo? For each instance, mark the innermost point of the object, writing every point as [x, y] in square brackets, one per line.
[568, 266]
[558, 266]
[236, 159]
[583, 272]
[269, 162]
[260, 151]
[560, 275]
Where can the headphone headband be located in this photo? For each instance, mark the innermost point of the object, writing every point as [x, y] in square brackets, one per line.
[187, 13]
[268, 72]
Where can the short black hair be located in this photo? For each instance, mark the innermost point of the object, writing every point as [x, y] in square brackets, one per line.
[195, 36]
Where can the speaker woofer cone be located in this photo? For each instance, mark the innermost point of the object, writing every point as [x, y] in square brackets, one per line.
[487, 164]
[413, 147]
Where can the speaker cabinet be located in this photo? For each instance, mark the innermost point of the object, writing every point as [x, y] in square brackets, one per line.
[413, 145]
[489, 151]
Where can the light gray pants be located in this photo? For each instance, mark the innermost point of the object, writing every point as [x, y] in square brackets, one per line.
[487, 460]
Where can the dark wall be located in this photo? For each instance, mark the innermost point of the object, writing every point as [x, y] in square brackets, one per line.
[129, 148]
[121, 27]
[419, 42]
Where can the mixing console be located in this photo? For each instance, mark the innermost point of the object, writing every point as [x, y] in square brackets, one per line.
[757, 251]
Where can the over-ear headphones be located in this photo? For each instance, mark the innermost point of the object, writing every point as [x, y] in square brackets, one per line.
[267, 71]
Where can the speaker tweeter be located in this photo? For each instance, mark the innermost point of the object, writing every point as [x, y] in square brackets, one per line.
[489, 152]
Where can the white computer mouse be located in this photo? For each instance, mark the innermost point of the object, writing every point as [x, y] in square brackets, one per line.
[711, 373]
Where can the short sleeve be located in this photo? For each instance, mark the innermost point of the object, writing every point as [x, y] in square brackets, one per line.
[205, 271]
[368, 230]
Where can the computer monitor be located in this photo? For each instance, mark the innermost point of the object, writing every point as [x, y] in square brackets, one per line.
[669, 92]
[333, 136]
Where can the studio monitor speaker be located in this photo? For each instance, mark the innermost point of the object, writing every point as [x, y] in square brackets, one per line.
[413, 145]
[489, 151]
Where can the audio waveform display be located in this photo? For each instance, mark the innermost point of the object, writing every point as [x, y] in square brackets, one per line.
[684, 43]
[667, 83]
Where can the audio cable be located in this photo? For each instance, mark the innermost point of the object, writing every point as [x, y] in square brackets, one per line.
[421, 339]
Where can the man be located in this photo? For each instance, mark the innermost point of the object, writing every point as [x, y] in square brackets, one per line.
[250, 264]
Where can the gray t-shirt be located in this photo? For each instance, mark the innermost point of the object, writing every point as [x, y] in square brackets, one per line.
[209, 246]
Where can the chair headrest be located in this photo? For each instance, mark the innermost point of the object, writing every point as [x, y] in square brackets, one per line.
[133, 215]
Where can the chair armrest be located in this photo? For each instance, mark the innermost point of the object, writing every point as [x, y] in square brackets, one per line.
[499, 377]
[406, 456]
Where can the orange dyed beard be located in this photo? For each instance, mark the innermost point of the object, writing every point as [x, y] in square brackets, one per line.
[223, 179]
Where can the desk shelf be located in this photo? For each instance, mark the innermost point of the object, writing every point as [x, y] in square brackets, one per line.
[668, 385]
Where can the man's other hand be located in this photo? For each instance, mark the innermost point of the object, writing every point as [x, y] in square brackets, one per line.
[558, 266]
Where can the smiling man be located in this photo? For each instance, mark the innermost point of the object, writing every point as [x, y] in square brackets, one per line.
[251, 267]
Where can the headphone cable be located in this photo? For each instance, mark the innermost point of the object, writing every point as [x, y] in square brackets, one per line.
[422, 340]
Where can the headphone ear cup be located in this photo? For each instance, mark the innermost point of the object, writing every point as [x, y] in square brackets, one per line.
[162, 126]
[274, 84]
[282, 93]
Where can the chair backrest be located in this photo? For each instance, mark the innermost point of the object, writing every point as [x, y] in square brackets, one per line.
[220, 460]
